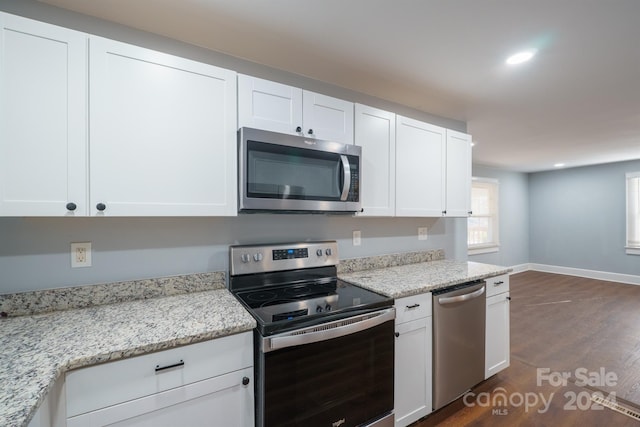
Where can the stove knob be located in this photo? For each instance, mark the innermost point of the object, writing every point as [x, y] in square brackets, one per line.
[328, 252]
[318, 309]
[257, 257]
[245, 258]
[319, 252]
[327, 307]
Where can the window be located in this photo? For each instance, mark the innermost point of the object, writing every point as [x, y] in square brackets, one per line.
[482, 225]
[633, 213]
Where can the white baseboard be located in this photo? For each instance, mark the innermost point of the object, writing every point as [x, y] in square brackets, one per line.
[581, 272]
[520, 268]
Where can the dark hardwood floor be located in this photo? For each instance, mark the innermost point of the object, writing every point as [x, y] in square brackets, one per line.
[587, 328]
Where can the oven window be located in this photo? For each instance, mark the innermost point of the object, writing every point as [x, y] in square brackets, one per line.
[319, 384]
[280, 172]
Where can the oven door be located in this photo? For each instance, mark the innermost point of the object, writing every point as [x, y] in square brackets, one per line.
[335, 374]
[293, 173]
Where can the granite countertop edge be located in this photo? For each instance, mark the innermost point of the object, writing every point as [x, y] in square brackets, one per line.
[414, 279]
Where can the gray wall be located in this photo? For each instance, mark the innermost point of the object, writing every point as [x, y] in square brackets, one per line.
[34, 252]
[514, 217]
[577, 218]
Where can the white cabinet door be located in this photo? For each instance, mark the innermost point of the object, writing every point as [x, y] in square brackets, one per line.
[267, 105]
[263, 104]
[420, 171]
[221, 401]
[42, 119]
[327, 118]
[413, 371]
[458, 174]
[163, 134]
[375, 132]
[497, 344]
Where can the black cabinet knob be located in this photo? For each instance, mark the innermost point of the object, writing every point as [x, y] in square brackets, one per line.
[71, 206]
[310, 132]
[508, 298]
[397, 334]
[444, 212]
[101, 206]
[470, 212]
[245, 381]
[298, 129]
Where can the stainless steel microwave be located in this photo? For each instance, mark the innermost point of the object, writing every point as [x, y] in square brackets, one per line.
[280, 172]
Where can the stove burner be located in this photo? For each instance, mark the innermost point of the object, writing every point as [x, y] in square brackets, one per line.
[261, 296]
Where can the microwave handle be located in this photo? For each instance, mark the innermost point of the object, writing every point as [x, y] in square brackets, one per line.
[346, 178]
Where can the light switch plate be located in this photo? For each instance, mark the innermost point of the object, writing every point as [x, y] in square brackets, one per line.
[422, 233]
[356, 238]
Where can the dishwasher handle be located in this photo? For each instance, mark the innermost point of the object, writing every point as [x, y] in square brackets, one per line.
[461, 298]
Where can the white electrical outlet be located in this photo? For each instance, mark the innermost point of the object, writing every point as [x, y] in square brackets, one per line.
[422, 233]
[356, 238]
[81, 254]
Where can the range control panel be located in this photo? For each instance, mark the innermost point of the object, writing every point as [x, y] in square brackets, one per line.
[249, 259]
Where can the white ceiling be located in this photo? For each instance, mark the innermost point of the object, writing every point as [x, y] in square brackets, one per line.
[577, 102]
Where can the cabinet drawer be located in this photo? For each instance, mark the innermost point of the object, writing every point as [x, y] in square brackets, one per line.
[111, 383]
[413, 307]
[497, 285]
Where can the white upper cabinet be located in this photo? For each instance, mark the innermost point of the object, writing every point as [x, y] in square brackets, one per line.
[163, 134]
[267, 105]
[327, 118]
[458, 180]
[43, 130]
[375, 132]
[263, 104]
[420, 168]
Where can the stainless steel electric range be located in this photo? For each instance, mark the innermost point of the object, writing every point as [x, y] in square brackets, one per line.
[324, 348]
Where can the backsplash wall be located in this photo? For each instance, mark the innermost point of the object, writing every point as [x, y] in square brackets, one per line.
[35, 252]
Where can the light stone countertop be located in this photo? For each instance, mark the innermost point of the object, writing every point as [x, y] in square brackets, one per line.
[36, 350]
[411, 279]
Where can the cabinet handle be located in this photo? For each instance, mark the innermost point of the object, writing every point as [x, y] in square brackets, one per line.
[444, 212]
[175, 365]
[397, 334]
[508, 298]
[101, 206]
[71, 206]
[411, 307]
[470, 212]
[298, 129]
[498, 283]
[310, 132]
[245, 380]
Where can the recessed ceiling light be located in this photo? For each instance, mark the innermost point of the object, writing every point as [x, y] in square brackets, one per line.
[558, 165]
[521, 57]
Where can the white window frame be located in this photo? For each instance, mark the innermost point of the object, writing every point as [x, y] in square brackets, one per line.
[632, 246]
[494, 246]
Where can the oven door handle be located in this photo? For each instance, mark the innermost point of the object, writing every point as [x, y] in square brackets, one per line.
[327, 331]
[346, 177]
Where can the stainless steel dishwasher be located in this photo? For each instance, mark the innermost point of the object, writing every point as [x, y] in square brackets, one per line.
[458, 340]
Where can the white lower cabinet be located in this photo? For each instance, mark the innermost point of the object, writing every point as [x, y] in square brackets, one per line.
[204, 384]
[497, 343]
[219, 401]
[413, 353]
